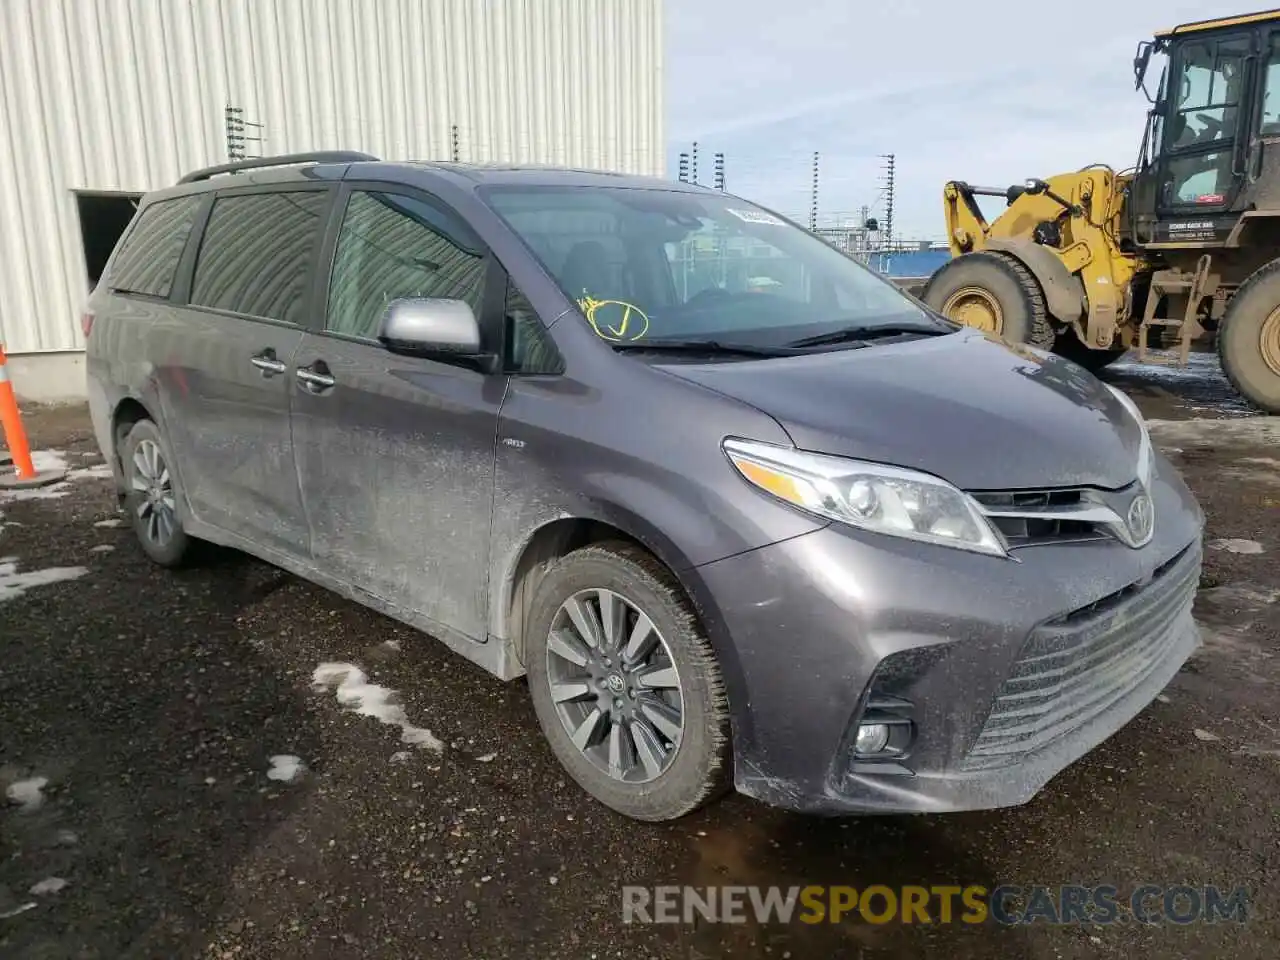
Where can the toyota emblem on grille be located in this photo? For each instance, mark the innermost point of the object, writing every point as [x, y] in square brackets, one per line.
[1140, 519]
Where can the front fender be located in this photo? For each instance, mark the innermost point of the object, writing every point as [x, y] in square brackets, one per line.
[1063, 291]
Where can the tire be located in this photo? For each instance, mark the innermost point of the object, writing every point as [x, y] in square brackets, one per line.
[152, 496]
[687, 770]
[1252, 314]
[1068, 345]
[1003, 279]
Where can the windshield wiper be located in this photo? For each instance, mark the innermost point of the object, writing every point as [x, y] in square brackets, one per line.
[867, 334]
[704, 346]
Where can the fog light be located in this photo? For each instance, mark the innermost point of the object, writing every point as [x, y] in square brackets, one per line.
[871, 739]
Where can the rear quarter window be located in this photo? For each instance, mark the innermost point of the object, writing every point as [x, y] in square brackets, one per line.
[148, 257]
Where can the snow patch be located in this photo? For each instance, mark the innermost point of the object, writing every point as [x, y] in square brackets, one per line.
[48, 885]
[1236, 546]
[1205, 735]
[102, 548]
[354, 690]
[99, 471]
[14, 584]
[286, 767]
[27, 793]
[112, 523]
[21, 908]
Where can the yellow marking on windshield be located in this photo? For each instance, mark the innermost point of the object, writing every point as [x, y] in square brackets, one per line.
[632, 324]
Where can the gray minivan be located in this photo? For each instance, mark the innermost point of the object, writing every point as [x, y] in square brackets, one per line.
[743, 512]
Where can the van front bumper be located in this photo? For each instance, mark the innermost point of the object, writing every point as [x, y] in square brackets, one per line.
[994, 673]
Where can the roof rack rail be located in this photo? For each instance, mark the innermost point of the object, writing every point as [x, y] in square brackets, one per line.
[256, 163]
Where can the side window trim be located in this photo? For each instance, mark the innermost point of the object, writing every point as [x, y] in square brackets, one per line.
[309, 304]
[492, 299]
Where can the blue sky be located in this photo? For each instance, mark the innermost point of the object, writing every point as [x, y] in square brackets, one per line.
[989, 91]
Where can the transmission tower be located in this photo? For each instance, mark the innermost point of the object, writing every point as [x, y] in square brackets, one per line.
[719, 172]
[887, 180]
[684, 168]
[813, 196]
[693, 170]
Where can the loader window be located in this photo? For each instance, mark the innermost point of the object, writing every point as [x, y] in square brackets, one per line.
[1207, 93]
[1269, 125]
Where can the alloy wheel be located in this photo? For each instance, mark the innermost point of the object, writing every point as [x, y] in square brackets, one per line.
[615, 685]
[155, 504]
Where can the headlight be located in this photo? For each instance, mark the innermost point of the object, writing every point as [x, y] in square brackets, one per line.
[1146, 452]
[889, 500]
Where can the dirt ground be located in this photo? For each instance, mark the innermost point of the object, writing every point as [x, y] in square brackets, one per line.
[152, 703]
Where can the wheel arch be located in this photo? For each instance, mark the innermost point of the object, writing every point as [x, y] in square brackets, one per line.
[559, 537]
[1063, 291]
[127, 412]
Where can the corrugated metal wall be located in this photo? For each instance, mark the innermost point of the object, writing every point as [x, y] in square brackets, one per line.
[126, 95]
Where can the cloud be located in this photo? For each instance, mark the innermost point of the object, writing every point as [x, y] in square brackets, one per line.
[987, 92]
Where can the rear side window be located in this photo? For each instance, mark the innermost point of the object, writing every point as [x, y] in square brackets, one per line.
[148, 258]
[392, 247]
[257, 251]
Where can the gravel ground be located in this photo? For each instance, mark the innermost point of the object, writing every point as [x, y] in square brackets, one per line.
[152, 704]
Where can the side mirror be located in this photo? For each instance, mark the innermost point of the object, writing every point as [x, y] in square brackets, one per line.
[424, 327]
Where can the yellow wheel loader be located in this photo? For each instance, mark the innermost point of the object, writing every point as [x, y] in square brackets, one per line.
[1183, 248]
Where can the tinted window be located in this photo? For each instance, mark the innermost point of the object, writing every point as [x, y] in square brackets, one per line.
[392, 247]
[256, 252]
[529, 347]
[149, 258]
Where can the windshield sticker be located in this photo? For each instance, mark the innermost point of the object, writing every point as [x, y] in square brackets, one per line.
[755, 216]
[620, 320]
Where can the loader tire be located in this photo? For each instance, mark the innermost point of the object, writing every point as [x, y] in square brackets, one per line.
[1249, 338]
[993, 292]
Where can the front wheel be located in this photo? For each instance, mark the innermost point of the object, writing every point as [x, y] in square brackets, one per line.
[1249, 339]
[625, 685]
[994, 292]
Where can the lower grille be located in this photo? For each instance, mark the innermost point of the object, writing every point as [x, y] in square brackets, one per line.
[1075, 667]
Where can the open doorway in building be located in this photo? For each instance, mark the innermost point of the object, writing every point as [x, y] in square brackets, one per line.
[103, 217]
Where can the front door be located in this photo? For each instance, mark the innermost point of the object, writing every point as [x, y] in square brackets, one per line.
[228, 366]
[396, 454]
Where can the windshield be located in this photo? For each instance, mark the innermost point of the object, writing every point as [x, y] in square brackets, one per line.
[668, 265]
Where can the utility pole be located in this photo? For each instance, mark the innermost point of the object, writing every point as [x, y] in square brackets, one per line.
[719, 174]
[813, 196]
[887, 179]
[684, 168]
[694, 170]
[863, 231]
[454, 136]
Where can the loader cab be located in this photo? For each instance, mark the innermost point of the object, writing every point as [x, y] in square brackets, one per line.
[1215, 117]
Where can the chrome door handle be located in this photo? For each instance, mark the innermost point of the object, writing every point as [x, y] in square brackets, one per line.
[267, 365]
[313, 379]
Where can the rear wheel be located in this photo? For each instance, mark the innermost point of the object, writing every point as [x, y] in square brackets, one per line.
[625, 684]
[151, 495]
[1249, 339]
[993, 292]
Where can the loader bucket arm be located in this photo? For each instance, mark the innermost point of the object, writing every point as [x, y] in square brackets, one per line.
[967, 228]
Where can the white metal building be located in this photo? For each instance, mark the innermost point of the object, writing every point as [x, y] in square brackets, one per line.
[101, 100]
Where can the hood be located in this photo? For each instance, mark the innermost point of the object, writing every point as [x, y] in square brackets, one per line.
[976, 411]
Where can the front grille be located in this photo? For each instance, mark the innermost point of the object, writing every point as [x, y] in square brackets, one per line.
[1075, 667]
[1022, 527]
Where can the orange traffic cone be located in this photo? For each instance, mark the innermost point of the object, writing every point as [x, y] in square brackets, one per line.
[25, 474]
